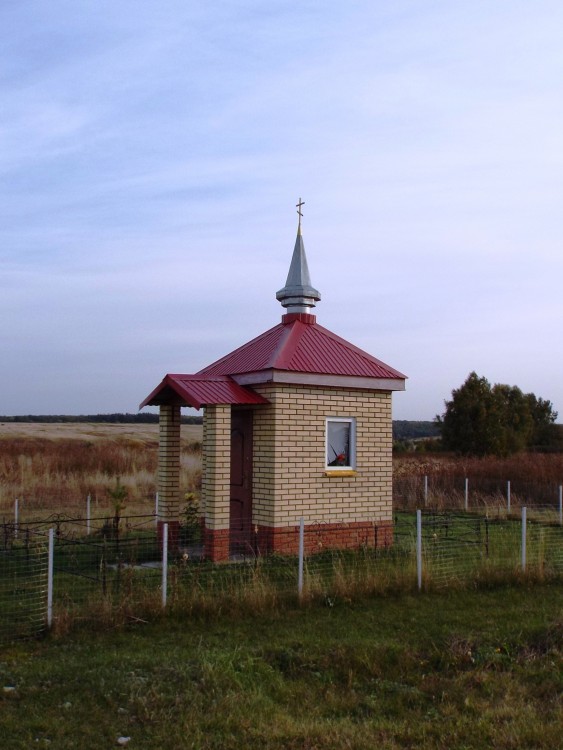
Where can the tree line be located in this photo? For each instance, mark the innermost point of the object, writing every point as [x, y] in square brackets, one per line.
[117, 418]
[408, 429]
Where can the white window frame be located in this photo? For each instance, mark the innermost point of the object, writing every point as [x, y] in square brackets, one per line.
[352, 448]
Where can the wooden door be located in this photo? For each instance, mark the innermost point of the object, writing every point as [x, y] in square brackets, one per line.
[241, 483]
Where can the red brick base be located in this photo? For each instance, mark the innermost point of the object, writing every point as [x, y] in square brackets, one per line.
[318, 537]
[216, 544]
[323, 536]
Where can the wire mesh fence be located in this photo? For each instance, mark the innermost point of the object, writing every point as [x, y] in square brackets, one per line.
[477, 493]
[108, 565]
[23, 583]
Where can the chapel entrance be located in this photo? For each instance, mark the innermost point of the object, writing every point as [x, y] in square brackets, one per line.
[240, 525]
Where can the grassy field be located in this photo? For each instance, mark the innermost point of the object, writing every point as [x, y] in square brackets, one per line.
[52, 468]
[535, 479]
[362, 668]
[470, 669]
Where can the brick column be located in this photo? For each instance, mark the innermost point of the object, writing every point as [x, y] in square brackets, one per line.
[217, 480]
[169, 472]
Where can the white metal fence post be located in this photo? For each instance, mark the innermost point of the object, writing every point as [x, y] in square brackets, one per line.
[88, 506]
[524, 538]
[164, 564]
[508, 496]
[466, 503]
[50, 566]
[561, 504]
[301, 556]
[419, 548]
[425, 490]
[16, 517]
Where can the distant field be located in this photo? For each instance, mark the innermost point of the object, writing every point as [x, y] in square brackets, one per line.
[52, 468]
[91, 431]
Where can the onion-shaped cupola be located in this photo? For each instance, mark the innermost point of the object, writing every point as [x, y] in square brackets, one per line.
[298, 295]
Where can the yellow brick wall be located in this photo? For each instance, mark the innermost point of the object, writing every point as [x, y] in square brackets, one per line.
[289, 478]
[216, 466]
[169, 463]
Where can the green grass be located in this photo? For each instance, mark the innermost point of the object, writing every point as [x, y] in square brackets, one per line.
[466, 669]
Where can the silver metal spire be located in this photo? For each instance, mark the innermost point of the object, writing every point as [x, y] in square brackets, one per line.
[298, 295]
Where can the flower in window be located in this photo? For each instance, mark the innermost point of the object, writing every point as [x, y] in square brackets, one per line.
[339, 459]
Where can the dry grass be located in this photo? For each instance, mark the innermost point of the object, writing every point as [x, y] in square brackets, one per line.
[534, 479]
[537, 467]
[52, 468]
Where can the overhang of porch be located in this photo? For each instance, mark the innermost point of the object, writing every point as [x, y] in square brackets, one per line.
[201, 390]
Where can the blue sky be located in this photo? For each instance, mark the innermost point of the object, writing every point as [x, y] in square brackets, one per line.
[151, 155]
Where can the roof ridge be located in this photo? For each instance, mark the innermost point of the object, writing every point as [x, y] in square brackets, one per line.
[197, 376]
[239, 349]
[287, 345]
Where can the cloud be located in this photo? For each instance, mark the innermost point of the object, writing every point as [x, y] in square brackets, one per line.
[150, 159]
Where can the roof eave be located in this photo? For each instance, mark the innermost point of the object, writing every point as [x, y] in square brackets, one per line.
[153, 398]
[320, 379]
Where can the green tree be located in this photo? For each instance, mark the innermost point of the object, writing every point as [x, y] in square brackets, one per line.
[545, 432]
[513, 422]
[481, 419]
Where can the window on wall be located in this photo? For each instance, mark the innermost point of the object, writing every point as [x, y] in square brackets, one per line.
[340, 443]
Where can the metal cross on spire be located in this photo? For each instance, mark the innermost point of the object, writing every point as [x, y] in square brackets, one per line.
[298, 294]
[298, 207]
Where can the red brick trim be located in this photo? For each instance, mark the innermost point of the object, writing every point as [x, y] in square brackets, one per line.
[323, 536]
[318, 538]
[306, 318]
[216, 544]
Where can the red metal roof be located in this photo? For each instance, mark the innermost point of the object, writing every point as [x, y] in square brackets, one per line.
[297, 344]
[197, 391]
[303, 347]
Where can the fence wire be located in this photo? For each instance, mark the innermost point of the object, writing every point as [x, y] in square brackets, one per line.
[23, 584]
[544, 546]
[481, 494]
[101, 566]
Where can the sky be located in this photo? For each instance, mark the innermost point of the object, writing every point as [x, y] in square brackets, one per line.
[152, 153]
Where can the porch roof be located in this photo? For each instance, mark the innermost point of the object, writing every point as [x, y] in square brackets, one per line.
[201, 390]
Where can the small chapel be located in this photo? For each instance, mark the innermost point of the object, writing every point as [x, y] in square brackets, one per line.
[296, 425]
